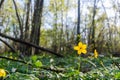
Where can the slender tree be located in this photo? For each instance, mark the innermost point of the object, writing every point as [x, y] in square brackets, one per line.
[1, 3]
[93, 25]
[78, 23]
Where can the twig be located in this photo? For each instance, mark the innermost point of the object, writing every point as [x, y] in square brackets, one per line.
[116, 64]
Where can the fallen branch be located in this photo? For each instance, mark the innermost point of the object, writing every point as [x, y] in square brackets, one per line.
[30, 44]
[13, 60]
[21, 61]
[12, 49]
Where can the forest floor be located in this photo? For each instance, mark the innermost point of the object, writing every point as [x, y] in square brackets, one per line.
[72, 67]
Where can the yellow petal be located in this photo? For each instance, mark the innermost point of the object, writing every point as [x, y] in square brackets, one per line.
[79, 51]
[95, 53]
[84, 46]
[76, 48]
[80, 44]
[84, 51]
[2, 73]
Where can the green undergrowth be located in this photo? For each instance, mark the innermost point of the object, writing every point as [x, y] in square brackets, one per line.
[46, 67]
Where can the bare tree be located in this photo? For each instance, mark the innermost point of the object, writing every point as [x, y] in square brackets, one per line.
[36, 24]
[19, 20]
[93, 25]
[2, 1]
[78, 24]
[91, 35]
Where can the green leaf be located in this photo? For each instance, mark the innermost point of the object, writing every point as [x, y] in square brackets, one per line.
[34, 58]
[117, 76]
[38, 63]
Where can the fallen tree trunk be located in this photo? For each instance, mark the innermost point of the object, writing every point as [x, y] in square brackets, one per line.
[29, 44]
[12, 49]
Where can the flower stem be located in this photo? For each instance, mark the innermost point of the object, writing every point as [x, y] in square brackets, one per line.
[79, 63]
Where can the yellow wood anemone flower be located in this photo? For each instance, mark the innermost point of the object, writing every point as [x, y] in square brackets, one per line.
[2, 73]
[95, 53]
[81, 48]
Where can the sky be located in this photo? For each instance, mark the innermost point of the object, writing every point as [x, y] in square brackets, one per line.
[85, 3]
[107, 4]
[72, 14]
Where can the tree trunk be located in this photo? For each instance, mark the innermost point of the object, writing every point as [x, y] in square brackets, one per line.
[91, 40]
[1, 3]
[78, 24]
[20, 46]
[27, 29]
[36, 24]
[93, 25]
